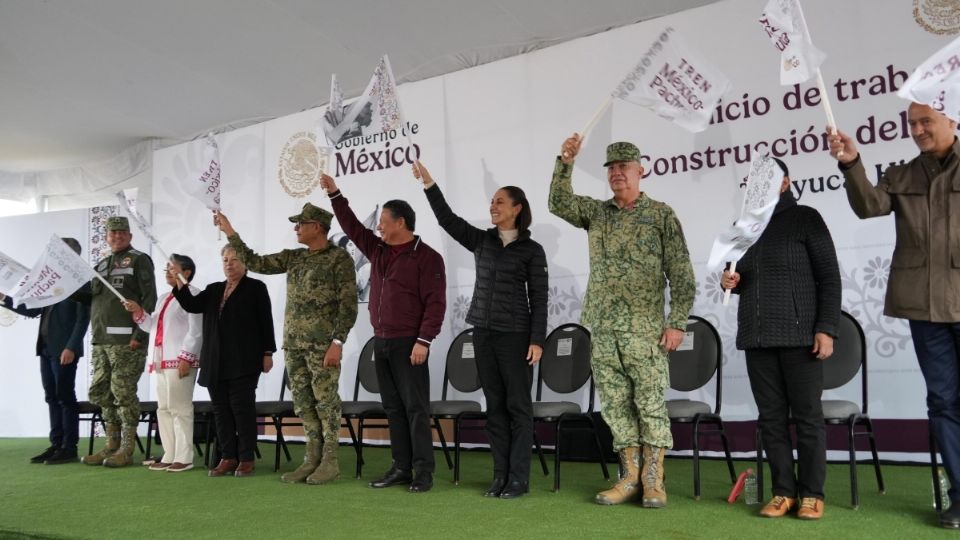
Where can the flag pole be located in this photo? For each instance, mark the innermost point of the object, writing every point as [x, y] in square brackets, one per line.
[593, 121]
[726, 293]
[109, 287]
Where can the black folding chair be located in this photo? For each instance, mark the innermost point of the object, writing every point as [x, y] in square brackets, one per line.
[460, 372]
[362, 411]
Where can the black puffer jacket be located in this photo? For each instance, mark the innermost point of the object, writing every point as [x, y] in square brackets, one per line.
[510, 293]
[789, 281]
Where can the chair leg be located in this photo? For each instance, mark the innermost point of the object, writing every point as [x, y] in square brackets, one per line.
[443, 442]
[851, 440]
[353, 438]
[456, 451]
[140, 444]
[759, 443]
[93, 425]
[696, 458]
[556, 457]
[726, 451]
[277, 426]
[876, 457]
[543, 462]
[359, 446]
[934, 468]
[596, 439]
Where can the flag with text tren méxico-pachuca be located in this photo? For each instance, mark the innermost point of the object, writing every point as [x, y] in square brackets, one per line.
[57, 274]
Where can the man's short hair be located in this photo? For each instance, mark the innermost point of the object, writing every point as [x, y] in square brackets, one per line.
[401, 209]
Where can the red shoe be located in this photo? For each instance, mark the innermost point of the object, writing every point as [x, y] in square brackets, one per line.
[225, 467]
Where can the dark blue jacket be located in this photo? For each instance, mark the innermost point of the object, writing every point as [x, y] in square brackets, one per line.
[68, 324]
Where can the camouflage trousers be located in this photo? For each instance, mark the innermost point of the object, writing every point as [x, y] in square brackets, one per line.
[632, 376]
[116, 371]
[315, 389]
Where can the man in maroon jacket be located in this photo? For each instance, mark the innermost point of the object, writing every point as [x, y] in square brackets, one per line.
[407, 304]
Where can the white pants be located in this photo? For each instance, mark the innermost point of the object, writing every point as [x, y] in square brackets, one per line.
[175, 414]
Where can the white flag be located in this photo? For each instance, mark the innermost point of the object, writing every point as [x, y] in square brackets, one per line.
[672, 80]
[783, 22]
[11, 273]
[206, 187]
[935, 82]
[128, 203]
[759, 200]
[377, 110]
[56, 275]
[334, 115]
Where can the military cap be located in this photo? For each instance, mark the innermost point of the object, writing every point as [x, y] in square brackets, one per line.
[118, 223]
[622, 151]
[313, 213]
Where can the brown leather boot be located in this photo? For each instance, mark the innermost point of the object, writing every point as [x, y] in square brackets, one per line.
[628, 488]
[654, 492]
[113, 442]
[224, 468]
[311, 459]
[121, 458]
[245, 468]
[329, 469]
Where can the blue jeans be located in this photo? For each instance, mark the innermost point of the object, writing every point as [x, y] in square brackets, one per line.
[938, 352]
[58, 392]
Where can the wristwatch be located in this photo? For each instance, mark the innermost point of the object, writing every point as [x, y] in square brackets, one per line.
[337, 342]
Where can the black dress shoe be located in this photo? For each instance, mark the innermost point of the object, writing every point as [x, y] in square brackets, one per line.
[62, 455]
[422, 482]
[950, 518]
[393, 477]
[515, 489]
[496, 487]
[40, 458]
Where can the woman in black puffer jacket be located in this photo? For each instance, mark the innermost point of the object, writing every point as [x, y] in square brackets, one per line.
[509, 315]
[789, 287]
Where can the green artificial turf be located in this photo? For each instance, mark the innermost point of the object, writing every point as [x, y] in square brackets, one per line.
[80, 501]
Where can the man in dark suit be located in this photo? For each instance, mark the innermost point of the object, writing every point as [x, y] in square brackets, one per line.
[59, 346]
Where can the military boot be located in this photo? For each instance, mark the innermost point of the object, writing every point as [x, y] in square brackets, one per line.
[113, 442]
[121, 458]
[311, 458]
[627, 489]
[654, 493]
[329, 469]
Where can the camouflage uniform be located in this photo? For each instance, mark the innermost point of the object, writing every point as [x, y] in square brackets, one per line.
[116, 368]
[634, 252]
[321, 307]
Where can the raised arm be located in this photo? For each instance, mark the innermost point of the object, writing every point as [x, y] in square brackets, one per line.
[576, 210]
[467, 235]
[866, 200]
[365, 239]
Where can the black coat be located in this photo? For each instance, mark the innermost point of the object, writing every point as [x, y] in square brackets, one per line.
[510, 293]
[235, 339]
[789, 281]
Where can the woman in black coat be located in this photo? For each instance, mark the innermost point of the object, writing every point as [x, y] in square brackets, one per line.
[238, 345]
[509, 315]
[789, 287]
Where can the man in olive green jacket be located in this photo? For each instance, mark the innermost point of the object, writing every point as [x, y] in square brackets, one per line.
[924, 284]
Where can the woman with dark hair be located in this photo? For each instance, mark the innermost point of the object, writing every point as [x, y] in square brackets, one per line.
[789, 287]
[238, 344]
[176, 357]
[509, 315]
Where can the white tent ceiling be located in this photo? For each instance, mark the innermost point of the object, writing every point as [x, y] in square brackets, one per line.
[81, 80]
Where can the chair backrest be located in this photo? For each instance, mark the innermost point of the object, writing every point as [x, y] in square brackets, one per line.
[693, 367]
[565, 364]
[461, 367]
[366, 371]
[849, 357]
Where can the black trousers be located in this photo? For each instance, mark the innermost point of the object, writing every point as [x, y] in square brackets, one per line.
[506, 378]
[405, 392]
[58, 391]
[235, 412]
[785, 381]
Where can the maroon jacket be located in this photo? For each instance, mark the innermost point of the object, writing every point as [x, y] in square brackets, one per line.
[408, 297]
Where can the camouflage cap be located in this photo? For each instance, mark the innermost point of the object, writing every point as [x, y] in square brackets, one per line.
[622, 151]
[313, 213]
[118, 223]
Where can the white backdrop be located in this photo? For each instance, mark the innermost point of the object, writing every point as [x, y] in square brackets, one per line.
[502, 123]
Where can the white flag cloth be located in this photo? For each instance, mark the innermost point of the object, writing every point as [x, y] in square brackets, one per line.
[759, 200]
[57, 274]
[672, 80]
[334, 115]
[783, 22]
[376, 111]
[128, 203]
[936, 82]
[206, 186]
[11, 273]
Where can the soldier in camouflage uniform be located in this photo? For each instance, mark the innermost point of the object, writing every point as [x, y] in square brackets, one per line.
[321, 309]
[119, 346]
[636, 248]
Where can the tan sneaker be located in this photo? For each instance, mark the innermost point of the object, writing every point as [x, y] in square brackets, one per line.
[810, 508]
[778, 506]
